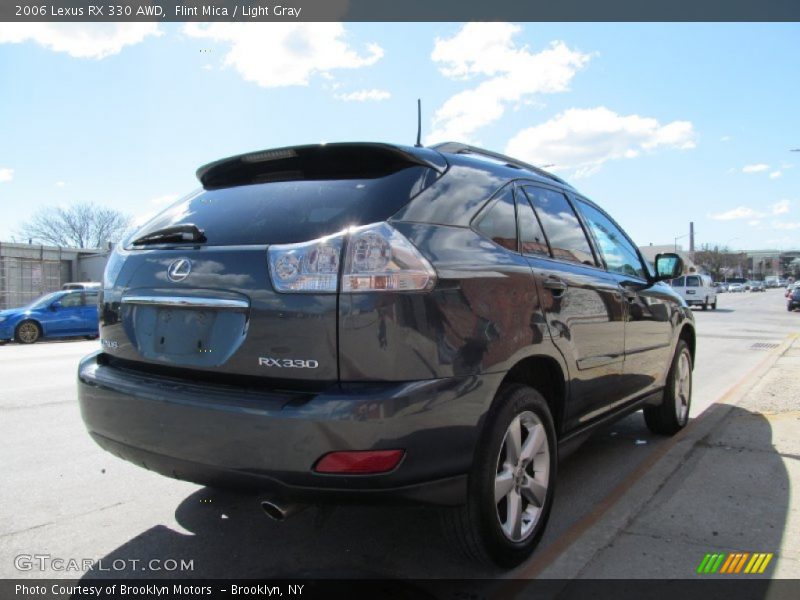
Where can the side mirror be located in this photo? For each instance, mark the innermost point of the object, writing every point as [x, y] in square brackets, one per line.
[55, 306]
[668, 266]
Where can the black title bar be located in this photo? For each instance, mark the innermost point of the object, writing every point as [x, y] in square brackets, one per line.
[397, 10]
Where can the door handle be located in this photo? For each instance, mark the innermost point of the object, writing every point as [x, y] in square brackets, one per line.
[557, 286]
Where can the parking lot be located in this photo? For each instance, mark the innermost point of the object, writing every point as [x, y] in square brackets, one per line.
[64, 497]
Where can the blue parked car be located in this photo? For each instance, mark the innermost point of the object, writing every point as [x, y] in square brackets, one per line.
[60, 314]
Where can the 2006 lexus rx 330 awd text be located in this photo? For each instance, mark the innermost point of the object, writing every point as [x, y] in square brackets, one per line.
[370, 323]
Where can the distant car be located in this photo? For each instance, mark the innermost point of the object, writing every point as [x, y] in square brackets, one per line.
[794, 300]
[719, 288]
[82, 285]
[59, 314]
[735, 287]
[757, 286]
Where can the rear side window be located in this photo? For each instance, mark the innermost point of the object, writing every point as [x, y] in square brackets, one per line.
[90, 298]
[692, 281]
[564, 231]
[287, 212]
[71, 300]
[498, 222]
[679, 282]
[618, 252]
[531, 236]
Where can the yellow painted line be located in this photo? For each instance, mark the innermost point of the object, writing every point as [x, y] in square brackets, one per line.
[755, 558]
[765, 563]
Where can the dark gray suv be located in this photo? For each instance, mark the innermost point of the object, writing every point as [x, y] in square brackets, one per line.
[370, 322]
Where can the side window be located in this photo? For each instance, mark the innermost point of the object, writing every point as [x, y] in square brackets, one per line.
[90, 298]
[564, 232]
[679, 282]
[620, 255]
[531, 236]
[499, 222]
[70, 300]
[692, 281]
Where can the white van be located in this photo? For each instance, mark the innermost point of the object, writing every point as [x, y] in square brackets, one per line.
[696, 289]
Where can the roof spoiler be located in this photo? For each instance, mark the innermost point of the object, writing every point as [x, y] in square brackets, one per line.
[360, 160]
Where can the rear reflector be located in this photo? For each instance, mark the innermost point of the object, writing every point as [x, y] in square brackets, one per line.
[362, 462]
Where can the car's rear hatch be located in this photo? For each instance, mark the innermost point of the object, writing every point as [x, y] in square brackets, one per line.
[198, 302]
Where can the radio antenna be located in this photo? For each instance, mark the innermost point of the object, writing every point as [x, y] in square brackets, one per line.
[419, 123]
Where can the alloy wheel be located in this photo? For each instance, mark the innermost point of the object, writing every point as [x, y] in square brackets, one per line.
[683, 388]
[523, 472]
[28, 332]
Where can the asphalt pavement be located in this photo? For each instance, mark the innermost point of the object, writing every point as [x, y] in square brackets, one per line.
[65, 498]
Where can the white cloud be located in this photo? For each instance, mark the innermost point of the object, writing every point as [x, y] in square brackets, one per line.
[60, 184]
[757, 168]
[584, 139]
[781, 207]
[775, 174]
[786, 226]
[754, 223]
[364, 95]
[725, 138]
[285, 54]
[740, 212]
[79, 40]
[511, 75]
[6, 174]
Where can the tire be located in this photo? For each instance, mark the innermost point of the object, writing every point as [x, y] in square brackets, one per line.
[484, 529]
[714, 305]
[28, 332]
[705, 304]
[672, 415]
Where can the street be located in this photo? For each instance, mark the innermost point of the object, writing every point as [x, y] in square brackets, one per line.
[66, 498]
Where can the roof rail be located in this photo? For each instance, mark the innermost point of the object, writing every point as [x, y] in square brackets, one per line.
[459, 148]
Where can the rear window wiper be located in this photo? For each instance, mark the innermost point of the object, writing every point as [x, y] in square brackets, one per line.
[188, 232]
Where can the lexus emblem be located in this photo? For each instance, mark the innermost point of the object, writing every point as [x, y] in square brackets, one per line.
[179, 270]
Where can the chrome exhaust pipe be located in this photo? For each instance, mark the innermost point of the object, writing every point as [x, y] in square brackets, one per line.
[277, 511]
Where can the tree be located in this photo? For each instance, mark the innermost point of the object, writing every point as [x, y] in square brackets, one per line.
[83, 225]
[719, 261]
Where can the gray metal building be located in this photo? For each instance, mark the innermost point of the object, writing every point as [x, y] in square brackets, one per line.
[28, 271]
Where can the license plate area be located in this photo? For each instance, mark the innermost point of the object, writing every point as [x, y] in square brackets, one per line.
[193, 337]
[183, 331]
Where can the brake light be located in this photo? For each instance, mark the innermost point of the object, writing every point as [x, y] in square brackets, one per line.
[377, 258]
[361, 462]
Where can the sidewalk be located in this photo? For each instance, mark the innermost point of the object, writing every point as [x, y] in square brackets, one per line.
[730, 484]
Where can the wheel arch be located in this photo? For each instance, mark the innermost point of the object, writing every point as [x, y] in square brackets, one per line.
[544, 374]
[688, 335]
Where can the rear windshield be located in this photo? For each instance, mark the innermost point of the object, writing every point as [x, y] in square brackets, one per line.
[292, 211]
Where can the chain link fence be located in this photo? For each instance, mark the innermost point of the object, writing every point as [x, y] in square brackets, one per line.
[22, 280]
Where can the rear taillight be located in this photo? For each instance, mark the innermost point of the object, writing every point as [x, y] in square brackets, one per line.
[307, 267]
[377, 258]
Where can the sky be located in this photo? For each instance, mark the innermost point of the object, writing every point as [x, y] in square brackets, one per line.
[659, 123]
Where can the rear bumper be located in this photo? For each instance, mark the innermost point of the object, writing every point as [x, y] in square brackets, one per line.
[269, 441]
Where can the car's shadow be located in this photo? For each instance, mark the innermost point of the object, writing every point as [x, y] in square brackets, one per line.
[228, 536]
